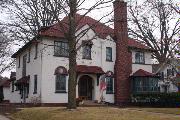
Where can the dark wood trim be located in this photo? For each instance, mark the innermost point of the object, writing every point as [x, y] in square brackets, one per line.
[109, 60]
[141, 63]
[110, 92]
[60, 92]
[61, 56]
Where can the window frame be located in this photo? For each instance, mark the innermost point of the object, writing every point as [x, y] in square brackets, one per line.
[24, 66]
[36, 51]
[35, 84]
[111, 86]
[19, 61]
[12, 86]
[148, 85]
[139, 58]
[58, 80]
[109, 48]
[58, 55]
[29, 56]
[84, 56]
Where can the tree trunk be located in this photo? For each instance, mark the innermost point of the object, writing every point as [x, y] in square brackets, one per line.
[72, 56]
[72, 81]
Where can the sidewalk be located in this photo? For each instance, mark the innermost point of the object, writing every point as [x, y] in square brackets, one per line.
[3, 118]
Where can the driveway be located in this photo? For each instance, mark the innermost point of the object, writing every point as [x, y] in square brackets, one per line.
[3, 118]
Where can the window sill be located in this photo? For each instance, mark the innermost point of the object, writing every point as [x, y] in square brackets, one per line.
[87, 58]
[109, 61]
[61, 56]
[141, 63]
[60, 92]
[109, 92]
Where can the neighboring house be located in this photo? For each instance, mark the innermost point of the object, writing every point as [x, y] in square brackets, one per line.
[42, 64]
[169, 76]
[5, 89]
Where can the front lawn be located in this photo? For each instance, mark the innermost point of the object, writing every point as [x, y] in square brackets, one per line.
[175, 111]
[89, 113]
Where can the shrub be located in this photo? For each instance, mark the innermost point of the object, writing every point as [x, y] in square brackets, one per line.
[156, 99]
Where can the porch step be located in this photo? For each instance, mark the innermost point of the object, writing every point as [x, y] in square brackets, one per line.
[91, 103]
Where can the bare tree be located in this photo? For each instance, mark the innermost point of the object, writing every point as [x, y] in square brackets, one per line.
[29, 16]
[156, 24]
[5, 61]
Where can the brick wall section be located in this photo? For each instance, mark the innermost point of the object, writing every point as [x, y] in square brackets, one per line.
[123, 65]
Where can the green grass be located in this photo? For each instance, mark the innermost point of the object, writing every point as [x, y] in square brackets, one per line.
[88, 113]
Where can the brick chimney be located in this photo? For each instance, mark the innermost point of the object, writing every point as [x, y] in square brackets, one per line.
[123, 56]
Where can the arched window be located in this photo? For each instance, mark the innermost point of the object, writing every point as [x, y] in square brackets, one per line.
[61, 74]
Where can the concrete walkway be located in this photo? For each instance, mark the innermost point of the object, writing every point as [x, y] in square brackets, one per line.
[3, 118]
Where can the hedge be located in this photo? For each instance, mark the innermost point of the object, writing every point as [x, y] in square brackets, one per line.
[156, 99]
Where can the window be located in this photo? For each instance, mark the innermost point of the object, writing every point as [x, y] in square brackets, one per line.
[108, 54]
[29, 56]
[173, 70]
[60, 83]
[139, 57]
[13, 86]
[145, 84]
[36, 51]
[87, 51]
[35, 84]
[24, 65]
[168, 72]
[19, 61]
[61, 49]
[109, 87]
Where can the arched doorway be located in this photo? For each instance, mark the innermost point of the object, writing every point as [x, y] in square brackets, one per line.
[85, 87]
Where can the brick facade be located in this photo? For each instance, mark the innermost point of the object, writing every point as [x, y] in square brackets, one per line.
[123, 65]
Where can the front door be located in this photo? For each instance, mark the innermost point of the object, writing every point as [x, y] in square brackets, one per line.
[85, 87]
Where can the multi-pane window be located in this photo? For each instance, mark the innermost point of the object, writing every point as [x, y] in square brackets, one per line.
[139, 58]
[108, 54]
[60, 83]
[145, 84]
[109, 87]
[36, 51]
[29, 56]
[35, 84]
[12, 86]
[19, 61]
[24, 65]
[61, 49]
[87, 52]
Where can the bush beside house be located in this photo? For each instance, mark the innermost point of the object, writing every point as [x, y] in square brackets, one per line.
[156, 99]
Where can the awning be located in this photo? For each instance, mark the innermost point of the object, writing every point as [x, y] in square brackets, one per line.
[89, 69]
[143, 73]
[23, 81]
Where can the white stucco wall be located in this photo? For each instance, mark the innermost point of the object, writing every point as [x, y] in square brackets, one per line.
[32, 68]
[46, 63]
[148, 62]
[7, 93]
[50, 63]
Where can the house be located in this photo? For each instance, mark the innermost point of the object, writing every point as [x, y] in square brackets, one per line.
[5, 89]
[42, 64]
[170, 79]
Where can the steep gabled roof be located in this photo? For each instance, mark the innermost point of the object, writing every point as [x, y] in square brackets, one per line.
[99, 28]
